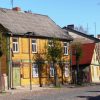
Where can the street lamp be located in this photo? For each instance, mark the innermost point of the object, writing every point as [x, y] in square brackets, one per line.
[29, 34]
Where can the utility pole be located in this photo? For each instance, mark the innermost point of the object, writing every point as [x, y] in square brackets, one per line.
[30, 74]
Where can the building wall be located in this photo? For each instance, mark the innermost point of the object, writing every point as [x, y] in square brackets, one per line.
[95, 68]
[22, 57]
[95, 63]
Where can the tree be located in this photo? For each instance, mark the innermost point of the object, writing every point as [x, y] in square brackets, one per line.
[3, 50]
[62, 66]
[82, 29]
[39, 60]
[77, 51]
[54, 54]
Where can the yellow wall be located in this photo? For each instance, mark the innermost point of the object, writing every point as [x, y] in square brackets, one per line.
[23, 57]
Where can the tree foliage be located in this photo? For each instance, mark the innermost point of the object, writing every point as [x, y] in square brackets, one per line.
[39, 60]
[3, 48]
[77, 51]
[3, 51]
[54, 50]
[54, 54]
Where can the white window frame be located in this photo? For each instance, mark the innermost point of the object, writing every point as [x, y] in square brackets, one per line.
[51, 70]
[16, 50]
[35, 72]
[65, 48]
[34, 44]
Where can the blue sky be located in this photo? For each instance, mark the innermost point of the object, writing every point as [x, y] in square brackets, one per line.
[64, 12]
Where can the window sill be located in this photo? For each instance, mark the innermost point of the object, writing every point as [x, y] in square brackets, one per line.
[35, 76]
[65, 54]
[34, 52]
[15, 52]
[51, 76]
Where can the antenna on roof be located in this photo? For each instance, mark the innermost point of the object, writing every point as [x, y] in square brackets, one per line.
[95, 26]
[12, 3]
[87, 28]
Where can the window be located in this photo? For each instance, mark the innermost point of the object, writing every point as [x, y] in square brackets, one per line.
[51, 70]
[34, 46]
[35, 70]
[65, 48]
[15, 46]
[50, 43]
[66, 71]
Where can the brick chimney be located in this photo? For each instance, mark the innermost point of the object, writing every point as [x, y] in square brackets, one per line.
[17, 9]
[71, 26]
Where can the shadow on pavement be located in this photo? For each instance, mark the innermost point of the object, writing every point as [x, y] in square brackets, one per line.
[93, 91]
[90, 97]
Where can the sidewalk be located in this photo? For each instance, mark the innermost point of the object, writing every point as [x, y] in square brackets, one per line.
[25, 89]
[22, 89]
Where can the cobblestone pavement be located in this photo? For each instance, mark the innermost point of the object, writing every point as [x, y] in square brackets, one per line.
[66, 93]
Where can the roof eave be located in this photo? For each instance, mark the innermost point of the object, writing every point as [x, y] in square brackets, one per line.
[90, 37]
[39, 36]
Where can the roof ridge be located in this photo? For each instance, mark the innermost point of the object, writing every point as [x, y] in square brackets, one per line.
[3, 9]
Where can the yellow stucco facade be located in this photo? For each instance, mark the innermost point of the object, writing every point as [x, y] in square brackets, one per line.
[21, 65]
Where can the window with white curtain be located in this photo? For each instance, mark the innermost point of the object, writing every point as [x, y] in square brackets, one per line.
[35, 70]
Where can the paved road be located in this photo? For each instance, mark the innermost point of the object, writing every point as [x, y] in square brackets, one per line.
[77, 93]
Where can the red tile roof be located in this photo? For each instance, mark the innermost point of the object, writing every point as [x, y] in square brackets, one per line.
[87, 53]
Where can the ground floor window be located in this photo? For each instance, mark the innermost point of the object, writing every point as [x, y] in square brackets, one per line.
[66, 71]
[51, 70]
[35, 70]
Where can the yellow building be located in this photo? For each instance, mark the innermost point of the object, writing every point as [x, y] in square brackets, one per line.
[28, 35]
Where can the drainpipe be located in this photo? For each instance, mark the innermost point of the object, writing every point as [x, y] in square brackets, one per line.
[9, 63]
[30, 64]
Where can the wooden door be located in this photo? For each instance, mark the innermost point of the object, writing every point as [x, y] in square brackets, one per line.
[16, 76]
